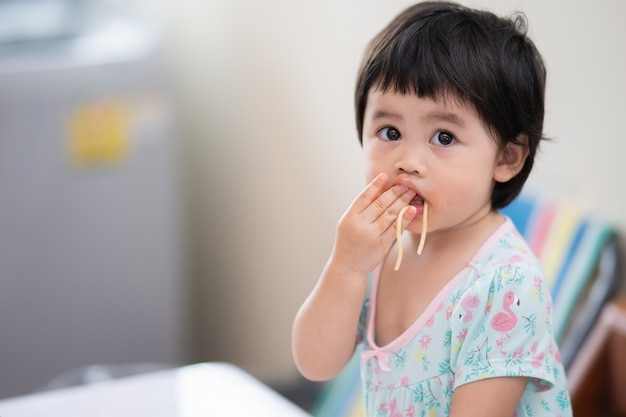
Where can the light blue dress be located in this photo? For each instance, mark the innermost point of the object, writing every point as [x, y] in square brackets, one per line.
[491, 320]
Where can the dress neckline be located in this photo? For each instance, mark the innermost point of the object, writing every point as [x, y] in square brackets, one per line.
[409, 333]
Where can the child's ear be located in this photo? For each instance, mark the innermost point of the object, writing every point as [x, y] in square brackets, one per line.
[511, 159]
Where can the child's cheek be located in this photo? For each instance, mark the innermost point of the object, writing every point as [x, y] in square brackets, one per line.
[370, 172]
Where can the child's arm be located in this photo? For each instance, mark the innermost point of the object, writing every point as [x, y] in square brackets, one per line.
[324, 330]
[491, 397]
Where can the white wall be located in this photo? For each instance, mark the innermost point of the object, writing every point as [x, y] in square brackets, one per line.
[266, 103]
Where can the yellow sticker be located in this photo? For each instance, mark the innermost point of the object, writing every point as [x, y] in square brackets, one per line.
[99, 134]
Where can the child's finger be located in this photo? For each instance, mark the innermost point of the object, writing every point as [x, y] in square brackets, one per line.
[386, 207]
[395, 229]
[370, 193]
[407, 217]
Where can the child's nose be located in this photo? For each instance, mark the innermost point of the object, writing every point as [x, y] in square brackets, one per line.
[412, 160]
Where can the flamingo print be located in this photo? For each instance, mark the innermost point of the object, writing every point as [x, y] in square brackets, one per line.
[537, 356]
[391, 407]
[506, 321]
[469, 302]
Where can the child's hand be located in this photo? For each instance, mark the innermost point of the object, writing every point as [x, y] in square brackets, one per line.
[367, 230]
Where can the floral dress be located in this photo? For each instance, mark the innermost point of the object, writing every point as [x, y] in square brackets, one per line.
[492, 319]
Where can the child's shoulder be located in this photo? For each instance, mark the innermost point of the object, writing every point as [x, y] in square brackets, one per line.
[506, 261]
[506, 246]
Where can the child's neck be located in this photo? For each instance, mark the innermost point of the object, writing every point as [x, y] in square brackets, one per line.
[460, 242]
[403, 295]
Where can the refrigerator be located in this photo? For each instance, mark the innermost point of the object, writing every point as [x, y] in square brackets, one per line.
[91, 230]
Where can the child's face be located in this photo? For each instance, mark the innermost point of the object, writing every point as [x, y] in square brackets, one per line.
[441, 149]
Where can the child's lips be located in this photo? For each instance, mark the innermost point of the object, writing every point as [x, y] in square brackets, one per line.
[417, 201]
[406, 183]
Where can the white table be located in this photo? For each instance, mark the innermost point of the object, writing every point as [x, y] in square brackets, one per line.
[206, 389]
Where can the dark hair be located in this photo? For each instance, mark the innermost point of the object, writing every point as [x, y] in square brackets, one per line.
[440, 50]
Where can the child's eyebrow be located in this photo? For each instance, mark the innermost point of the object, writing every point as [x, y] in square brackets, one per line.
[437, 116]
[381, 114]
[445, 117]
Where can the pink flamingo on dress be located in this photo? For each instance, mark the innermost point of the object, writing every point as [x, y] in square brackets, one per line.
[537, 356]
[506, 321]
[392, 407]
[471, 301]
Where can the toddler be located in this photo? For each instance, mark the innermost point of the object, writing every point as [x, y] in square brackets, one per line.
[449, 112]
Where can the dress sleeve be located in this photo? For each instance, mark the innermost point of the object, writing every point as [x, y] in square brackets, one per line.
[509, 331]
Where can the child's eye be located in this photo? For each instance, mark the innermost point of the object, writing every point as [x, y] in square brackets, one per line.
[389, 133]
[442, 138]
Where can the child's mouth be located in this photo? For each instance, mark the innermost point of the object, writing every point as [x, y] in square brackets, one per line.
[417, 201]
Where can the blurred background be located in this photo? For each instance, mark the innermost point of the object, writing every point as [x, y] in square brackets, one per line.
[171, 172]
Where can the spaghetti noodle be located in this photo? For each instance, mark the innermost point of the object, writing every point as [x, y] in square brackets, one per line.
[422, 241]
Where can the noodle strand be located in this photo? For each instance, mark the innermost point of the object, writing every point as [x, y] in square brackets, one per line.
[399, 237]
[420, 247]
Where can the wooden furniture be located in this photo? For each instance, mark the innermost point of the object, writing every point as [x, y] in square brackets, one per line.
[598, 376]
